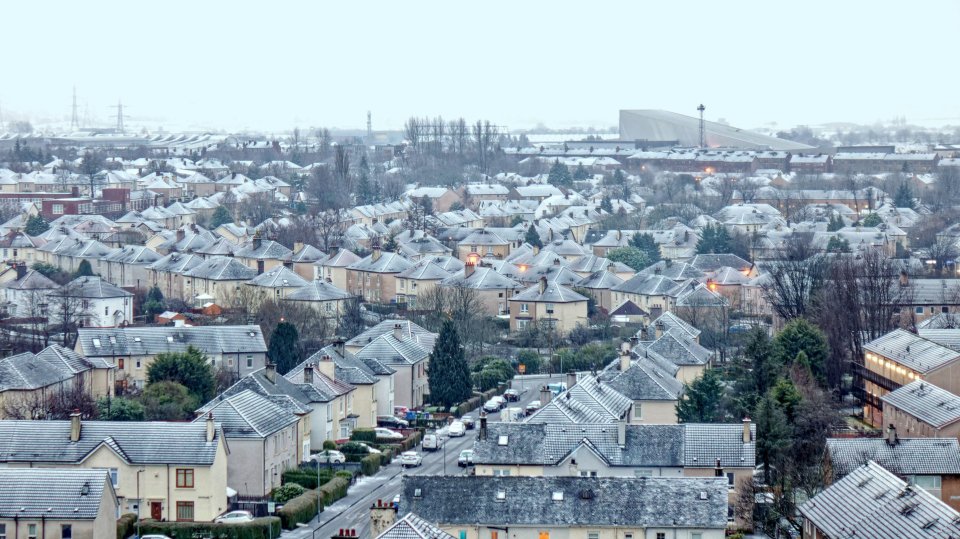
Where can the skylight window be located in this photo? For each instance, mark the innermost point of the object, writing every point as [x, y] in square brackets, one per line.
[501, 495]
[417, 493]
[557, 496]
[503, 439]
[96, 343]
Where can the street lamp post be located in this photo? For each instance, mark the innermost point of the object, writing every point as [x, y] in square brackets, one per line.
[139, 500]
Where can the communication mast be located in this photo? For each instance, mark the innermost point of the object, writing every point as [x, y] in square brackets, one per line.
[703, 133]
[119, 107]
[369, 128]
[74, 120]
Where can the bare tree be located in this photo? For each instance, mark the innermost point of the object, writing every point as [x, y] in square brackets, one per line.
[68, 310]
[330, 226]
[794, 277]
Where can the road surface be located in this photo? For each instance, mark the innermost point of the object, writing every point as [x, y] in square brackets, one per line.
[353, 510]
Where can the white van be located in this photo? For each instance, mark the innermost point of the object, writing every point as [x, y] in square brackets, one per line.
[432, 442]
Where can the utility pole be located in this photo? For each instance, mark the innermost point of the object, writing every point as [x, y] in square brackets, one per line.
[74, 120]
[703, 134]
[369, 128]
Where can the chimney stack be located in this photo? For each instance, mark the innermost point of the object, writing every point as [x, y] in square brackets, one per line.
[376, 250]
[308, 373]
[270, 371]
[210, 427]
[338, 345]
[382, 516]
[482, 435]
[257, 241]
[260, 266]
[543, 284]
[658, 330]
[545, 395]
[747, 437]
[21, 270]
[904, 278]
[75, 426]
[468, 269]
[327, 367]
[622, 431]
[298, 246]
[181, 234]
[398, 332]
[892, 439]
[624, 356]
[571, 379]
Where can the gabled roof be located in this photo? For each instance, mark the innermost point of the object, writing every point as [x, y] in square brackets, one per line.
[70, 494]
[221, 268]
[390, 351]
[650, 285]
[645, 502]
[872, 502]
[912, 351]
[713, 262]
[266, 250]
[279, 277]
[383, 263]
[481, 278]
[148, 341]
[137, 442]
[93, 288]
[408, 329]
[677, 271]
[424, 270]
[318, 290]
[411, 526]
[678, 348]
[908, 456]
[552, 293]
[307, 254]
[699, 295]
[926, 402]
[249, 415]
[600, 280]
[33, 280]
[643, 381]
[672, 322]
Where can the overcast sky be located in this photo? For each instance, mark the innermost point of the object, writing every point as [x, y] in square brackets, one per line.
[274, 65]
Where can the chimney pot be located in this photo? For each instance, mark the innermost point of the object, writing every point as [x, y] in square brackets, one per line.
[210, 427]
[75, 426]
[571, 379]
[398, 332]
[270, 371]
[747, 437]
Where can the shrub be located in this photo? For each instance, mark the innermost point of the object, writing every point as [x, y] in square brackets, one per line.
[299, 509]
[306, 477]
[329, 444]
[258, 528]
[354, 451]
[334, 489]
[345, 475]
[370, 465]
[126, 525]
[286, 492]
[364, 435]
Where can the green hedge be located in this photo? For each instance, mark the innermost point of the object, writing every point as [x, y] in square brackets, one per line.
[300, 509]
[370, 465]
[345, 474]
[334, 489]
[364, 435]
[258, 528]
[126, 525]
[286, 492]
[306, 477]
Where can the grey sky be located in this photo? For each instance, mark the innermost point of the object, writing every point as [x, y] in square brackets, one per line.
[274, 65]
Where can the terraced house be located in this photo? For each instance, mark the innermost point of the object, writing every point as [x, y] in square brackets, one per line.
[163, 471]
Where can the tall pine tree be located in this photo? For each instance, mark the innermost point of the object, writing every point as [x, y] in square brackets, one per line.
[647, 245]
[532, 237]
[450, 381]
[283, 350]
[702, 400]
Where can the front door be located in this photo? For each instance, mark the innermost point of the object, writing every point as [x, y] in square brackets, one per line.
[156, 512]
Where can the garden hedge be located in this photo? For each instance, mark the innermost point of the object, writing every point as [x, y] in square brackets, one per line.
[306, 477]
[300, 509]
[334, 489]
[258, 528]
[126, 525]
[364, 435]
[370, 465]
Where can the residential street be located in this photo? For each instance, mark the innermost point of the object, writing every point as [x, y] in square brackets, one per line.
[352, 511]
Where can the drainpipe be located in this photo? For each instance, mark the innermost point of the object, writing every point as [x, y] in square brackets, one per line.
[168, 494]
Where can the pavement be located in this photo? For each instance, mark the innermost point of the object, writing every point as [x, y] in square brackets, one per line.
[353, 510]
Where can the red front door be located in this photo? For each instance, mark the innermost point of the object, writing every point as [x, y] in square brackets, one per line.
[156, 512]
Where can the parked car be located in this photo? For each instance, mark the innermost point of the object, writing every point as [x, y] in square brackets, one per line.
[409, 459]
[532, 407]
[502, 402]
[491, 406]
[387, 434]
[152, 536]
[468, 421]
[511, 395]
[370, 449]
[466, 458]
[432, 442]
[328, 456]
[457, 429]
[392, 422]
[396, 502]
[234, 517]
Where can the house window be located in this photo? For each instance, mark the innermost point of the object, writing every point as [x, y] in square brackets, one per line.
[138, 363]
[918, 310]
[643, 473]
[66, 531]
[106, 311]
[463, 534]
[3, 531]
[184, 511]
[184, 477]
[593, 535]
[544, 535]
[550, 308]
[230, 362]
[696, 535]
[249, 361]
[115, 477]
[522, 324]
[58, 209]
[501, 472]
[120, 363]
[524, 308]
[661, 535]
[637, 410]
[731, 479]
[588, 473]
[31, 531]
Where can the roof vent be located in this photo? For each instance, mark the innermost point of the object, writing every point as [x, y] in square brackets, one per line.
[703, 495]
[136, 339]
[586, 494]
